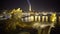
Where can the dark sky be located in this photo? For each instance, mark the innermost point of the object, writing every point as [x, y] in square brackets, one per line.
[36, 4]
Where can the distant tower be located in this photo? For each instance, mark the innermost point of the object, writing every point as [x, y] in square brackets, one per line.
[29, 5]
[30, 8]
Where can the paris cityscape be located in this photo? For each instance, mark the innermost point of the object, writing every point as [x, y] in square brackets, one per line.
[29, 20]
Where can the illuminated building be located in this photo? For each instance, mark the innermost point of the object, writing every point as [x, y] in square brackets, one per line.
[40, 17]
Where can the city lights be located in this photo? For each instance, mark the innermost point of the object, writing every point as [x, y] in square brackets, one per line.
[46, 18]
[39, 18]
[36, 18]
[53, 17]
[22, 17]
[31, 18]
[43, 18]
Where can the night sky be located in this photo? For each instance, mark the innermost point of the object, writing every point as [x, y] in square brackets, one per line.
[36, 4]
